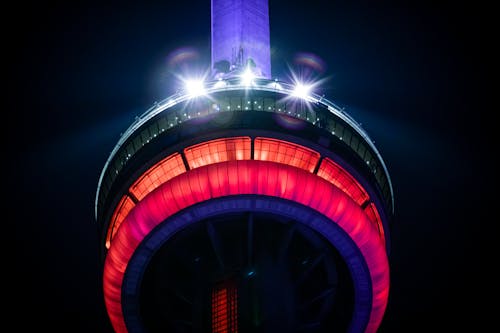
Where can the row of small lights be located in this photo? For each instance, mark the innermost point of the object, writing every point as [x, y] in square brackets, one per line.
[196, 88]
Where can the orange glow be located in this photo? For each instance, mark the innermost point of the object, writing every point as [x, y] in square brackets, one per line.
[219, 150]
[239, 148]
[158, 174]
[336, 175]
[224, 309]
[124, 207]
[372, 213]
[266, 149]
[261, 178]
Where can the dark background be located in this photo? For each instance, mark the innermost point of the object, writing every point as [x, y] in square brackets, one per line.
[414, 74]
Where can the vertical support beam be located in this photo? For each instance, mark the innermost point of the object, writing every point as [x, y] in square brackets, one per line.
[250, 240]
[214, 240]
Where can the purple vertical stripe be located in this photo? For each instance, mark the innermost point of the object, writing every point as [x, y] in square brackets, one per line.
[240, 37]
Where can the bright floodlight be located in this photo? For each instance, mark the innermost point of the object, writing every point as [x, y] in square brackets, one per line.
[301, 91]
[195, 88]
[247, 77]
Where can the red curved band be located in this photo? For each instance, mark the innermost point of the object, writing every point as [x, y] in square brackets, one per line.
[245, 177]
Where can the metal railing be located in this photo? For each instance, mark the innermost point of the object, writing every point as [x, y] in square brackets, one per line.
[234, 84]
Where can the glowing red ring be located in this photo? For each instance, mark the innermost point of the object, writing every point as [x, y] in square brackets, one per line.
[245, 177]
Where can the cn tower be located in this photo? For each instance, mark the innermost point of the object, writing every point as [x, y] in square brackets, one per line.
[243, 203]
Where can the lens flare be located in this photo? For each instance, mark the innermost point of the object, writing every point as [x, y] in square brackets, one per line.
[195, 87]
[310, 60]
[182, 56]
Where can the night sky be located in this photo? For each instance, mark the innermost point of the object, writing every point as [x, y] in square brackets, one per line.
[413, 74]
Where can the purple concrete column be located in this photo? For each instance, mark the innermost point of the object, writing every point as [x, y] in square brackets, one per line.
[240, 37]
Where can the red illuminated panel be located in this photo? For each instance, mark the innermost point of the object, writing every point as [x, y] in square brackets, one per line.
[159, 173]
[224, 309]
[336, 175]
[122, 209]
[372, 213]
[219, 150]
[274, 150]
[257, 177]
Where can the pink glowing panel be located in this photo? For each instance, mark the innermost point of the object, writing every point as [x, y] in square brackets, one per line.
[266, 149]
[260, 178]
[159, 173]
[336, 175]
[372, 213]
[122, 209]
[219, 150]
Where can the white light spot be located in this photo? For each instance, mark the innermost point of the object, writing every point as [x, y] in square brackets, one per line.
[301, 91]
[247, 77]
[195, 88]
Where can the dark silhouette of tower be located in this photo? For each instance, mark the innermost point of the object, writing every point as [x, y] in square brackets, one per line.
[245, 204]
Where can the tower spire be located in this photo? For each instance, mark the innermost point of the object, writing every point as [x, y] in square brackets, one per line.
[240, 38]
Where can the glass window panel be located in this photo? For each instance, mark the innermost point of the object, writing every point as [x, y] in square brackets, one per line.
[137, 143]
[162, 124]
[269, 104]
[219, 150]
[224, 104]
[339, 130]
[122, 209]
[281, 106]
[354, 142]
[361, 151]
[158, 174]
[130, 149]
[153, 129]
[336, 175]
[347, 136]
[236, 103]
[145, 136]
[257, 104]
[373, 215]
[171, 119]
[275, 150]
